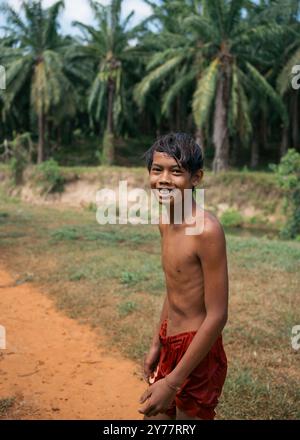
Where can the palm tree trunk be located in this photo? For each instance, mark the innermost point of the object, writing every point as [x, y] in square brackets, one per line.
[284, 141]
[108, 141]
[220, 129]
[264, 130]
[178, 119]
[295, 122]
[110, 113]
[200, 139]
[41, 144]
[254, 153]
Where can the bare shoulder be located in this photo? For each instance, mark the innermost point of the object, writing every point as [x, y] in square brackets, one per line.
[161, 228]
[213, 232]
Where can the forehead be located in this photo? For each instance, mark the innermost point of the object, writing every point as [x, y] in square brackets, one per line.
[164, 159]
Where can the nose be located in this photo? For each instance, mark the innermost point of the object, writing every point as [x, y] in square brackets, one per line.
[165, 178]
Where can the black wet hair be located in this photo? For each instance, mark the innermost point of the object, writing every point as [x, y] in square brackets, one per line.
[182, 147]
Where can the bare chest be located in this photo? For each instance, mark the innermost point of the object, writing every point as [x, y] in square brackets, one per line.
[179, 254]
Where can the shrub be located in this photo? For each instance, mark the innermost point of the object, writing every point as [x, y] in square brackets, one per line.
[48, 176]
[232, 218]
[18, 152]
[288, 174]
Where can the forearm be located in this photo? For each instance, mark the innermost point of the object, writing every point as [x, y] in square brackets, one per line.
[197, 350]
[163, 316]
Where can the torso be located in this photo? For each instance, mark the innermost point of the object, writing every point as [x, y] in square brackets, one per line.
[184, 280]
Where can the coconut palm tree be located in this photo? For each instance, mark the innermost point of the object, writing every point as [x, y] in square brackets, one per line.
[107, 44]
[218, 49]
[35, 65]
[170, 81]
[277, 70]
[287, 59]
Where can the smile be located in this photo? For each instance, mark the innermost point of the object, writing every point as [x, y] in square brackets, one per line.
[165, 191]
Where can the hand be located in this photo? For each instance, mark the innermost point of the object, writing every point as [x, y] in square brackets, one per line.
[151, 360]
[159, 396]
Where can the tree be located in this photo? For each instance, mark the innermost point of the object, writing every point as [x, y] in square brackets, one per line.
[218, 48]
[108, 45]
[286, 61]
[35, 65]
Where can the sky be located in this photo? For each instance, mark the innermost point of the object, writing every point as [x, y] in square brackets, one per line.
[79, 10]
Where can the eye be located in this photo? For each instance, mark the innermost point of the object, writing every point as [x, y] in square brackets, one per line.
[177, 171]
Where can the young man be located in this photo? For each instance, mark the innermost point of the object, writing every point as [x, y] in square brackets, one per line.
[186, 365]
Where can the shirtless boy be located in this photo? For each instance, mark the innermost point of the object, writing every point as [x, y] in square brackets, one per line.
[186, 365]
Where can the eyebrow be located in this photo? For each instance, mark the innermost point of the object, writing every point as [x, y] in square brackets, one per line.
[173, 166]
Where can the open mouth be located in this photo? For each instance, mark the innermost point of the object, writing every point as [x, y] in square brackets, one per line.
[165, 192]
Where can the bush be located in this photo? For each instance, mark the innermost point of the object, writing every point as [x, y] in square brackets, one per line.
[18, 152]
[48, 176]
[288, 173]
[231, 218]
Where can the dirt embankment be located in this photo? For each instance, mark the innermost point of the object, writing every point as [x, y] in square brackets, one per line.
[254, 195]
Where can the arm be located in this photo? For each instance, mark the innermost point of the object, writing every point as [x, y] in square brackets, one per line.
[212, 253]
[152, 357]
[164, 312]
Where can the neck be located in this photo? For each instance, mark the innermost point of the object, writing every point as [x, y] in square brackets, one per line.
[187, 212]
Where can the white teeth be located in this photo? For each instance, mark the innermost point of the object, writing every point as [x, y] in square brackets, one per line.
[165, 191]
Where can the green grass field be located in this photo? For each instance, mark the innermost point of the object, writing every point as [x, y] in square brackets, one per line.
[111, 278]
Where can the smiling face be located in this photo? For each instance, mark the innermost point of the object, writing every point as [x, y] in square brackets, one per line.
[168, 178]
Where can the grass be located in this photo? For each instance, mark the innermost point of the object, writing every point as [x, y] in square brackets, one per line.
[111, 278]
[5, 405]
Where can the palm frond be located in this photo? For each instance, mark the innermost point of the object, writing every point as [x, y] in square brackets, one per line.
[205, 93]
[13, 18]
[50, 29]
[203, 26]
[160, 58]
[244, 119]
[16, 76]
[267, 90]
[96, 98]
[183, 81]
[234, 15]
[214, 10]
[154, 77]
[284, 81]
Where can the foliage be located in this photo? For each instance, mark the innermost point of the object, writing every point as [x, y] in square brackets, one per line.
[35, 65]
[19, 153]
[173, 66]
[107, 45]
[288, 174]
[231, 218]
[48, 176]
[213, 48]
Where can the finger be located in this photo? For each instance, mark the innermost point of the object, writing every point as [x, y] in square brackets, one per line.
[145, 396]
[143, 410]
[151, 412]
[147, 371]
[146, 375]
[146, 409]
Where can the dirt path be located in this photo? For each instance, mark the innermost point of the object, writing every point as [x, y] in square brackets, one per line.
[53, 365]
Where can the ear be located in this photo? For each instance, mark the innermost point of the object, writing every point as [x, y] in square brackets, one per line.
[197, 177]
